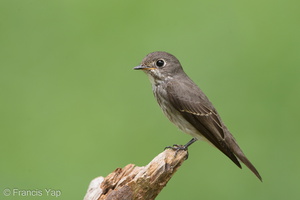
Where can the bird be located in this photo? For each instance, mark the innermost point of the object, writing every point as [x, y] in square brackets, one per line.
[186, 106]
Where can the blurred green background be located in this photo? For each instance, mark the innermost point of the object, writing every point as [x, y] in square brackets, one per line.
[72, 108]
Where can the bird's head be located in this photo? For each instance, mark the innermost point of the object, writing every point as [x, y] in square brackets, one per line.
[160, 66]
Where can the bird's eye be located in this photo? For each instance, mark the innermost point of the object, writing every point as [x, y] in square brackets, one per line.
[160, 63]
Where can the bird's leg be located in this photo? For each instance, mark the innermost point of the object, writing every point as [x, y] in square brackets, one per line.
[178, 147]
[190, 142]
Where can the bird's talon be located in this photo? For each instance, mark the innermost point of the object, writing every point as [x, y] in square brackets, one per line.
[178, 148]
[168, 147]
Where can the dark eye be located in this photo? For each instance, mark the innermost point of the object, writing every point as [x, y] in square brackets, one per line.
[160, 63]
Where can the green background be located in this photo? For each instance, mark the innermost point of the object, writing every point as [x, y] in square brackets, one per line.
[72, 108]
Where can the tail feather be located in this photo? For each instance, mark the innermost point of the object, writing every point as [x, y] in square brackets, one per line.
[244, 159]
[241, 156]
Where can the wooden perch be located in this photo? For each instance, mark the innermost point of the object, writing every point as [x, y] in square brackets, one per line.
[133, 182]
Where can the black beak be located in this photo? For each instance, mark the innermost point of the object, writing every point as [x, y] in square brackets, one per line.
[142, 67]
[139, 67]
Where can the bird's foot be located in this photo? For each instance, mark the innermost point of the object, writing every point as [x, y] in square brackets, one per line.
[177, 148]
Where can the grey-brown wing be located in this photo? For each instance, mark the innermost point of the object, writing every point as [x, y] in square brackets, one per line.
[195, 107]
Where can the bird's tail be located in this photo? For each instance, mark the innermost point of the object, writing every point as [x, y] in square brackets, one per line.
[241, 156]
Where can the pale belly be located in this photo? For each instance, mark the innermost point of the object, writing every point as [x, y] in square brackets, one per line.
[175, 116]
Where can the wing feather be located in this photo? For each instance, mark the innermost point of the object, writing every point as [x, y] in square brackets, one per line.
[195, 107]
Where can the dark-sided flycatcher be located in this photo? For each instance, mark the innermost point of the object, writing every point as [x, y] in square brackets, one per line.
[187, 106]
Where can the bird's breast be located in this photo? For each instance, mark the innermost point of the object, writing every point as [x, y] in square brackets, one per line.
[172, 114]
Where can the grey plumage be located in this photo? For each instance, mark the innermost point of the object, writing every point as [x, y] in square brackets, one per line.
[187, 106]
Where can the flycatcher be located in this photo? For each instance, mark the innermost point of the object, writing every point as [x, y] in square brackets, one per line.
[182, 101]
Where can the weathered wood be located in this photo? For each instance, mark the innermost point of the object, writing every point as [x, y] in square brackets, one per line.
[133, 182]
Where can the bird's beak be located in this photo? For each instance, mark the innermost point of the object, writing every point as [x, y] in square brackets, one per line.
[143, 67]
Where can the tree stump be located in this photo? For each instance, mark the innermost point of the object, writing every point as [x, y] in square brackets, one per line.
[133, 182]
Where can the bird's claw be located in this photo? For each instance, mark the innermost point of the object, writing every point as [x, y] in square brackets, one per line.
[177, 148]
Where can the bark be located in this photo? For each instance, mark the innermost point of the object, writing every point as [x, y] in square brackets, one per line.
[133, 182]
